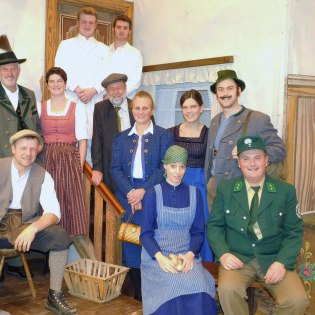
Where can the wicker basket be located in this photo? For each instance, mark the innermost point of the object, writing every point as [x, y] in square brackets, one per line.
[94, 280]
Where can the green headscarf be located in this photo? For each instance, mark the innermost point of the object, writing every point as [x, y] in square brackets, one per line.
[175, 154]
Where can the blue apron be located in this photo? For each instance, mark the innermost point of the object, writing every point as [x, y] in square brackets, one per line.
[173, 237]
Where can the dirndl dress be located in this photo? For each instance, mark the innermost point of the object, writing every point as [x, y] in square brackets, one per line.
[173, 236]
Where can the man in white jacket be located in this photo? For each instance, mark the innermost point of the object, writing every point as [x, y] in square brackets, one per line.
[124, 58]
[84, 59]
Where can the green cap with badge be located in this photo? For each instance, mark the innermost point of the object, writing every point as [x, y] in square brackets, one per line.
[250, 143]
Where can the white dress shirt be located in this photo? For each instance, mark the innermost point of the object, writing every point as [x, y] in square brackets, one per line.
[85, 62]
[48, 198]
[127, 59]
[137, 166]
[124, 116]
[13, 96]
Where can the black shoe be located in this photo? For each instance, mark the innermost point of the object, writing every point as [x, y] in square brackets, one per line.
[56, 303]
[18, 271]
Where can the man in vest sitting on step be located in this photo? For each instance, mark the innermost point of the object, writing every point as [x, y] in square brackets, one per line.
[24, 186]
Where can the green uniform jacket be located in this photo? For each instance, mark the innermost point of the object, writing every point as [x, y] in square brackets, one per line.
[278, 220]
[9, 123]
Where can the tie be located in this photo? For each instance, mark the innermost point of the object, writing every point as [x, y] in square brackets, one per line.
[117, 108]
[19, 113]
[253, 212]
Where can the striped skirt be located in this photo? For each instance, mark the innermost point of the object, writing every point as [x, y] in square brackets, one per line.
[62, 162]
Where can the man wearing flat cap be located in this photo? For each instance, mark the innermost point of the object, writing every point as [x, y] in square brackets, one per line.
[17, 103]
[25, 186]
[227, 127]
[110, 116]
[255, 231]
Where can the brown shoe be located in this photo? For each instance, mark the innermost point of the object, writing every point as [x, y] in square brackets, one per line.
[56, 303]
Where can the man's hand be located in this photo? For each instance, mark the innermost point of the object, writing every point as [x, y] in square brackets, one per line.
[85, 95]
[230, 262]
[136, 195]
[234, 153]
[97, 177]
[165, 263]
[25, 239]
[275, 273]
[188, 261]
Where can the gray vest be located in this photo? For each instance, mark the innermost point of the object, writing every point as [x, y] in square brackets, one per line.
[31, 193]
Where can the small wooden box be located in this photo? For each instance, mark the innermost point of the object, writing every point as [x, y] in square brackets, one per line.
[94, 280]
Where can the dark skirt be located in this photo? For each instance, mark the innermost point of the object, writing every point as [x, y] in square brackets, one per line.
[62, 162]
[190, 304]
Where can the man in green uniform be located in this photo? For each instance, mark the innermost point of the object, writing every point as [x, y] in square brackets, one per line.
[255, 232]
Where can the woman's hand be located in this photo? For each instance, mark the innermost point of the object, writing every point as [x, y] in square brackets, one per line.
[136, 207]
[165, 263]
[135, 196]
[188, 261]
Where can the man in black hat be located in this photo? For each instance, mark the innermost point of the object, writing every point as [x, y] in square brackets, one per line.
[110, 116]
[17, 104]
[255, 231]
[227, 127]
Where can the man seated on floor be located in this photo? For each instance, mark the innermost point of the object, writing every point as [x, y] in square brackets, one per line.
[255, 231]
[24, 186]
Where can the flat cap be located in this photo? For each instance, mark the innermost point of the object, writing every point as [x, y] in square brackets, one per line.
[26, 133]
[250, 143]
[114, 77]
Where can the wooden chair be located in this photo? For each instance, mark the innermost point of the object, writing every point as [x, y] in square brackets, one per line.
[214, 270]
[10, 253]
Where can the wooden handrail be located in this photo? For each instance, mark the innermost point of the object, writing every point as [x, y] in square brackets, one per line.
[111, 215]
[106, 194]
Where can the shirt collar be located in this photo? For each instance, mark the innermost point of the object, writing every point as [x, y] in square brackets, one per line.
[134, 130]
[8, 92]
[248, 186]
[15, 172]
[84, 39]
[112, 47]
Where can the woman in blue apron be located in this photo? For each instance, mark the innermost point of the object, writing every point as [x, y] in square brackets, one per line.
[172, 234]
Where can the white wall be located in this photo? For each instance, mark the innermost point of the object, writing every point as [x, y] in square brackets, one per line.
[254, 32]
[23, 21]
[302, 34]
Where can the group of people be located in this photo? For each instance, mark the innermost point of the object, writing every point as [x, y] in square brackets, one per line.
[199, 194]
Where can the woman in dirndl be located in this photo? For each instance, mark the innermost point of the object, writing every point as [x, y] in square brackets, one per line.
[193, 135]
[64, 126]
[174, 280]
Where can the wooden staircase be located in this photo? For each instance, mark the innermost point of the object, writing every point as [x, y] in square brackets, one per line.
[107, 207]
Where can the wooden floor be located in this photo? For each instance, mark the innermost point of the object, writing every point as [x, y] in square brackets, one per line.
[15, 297]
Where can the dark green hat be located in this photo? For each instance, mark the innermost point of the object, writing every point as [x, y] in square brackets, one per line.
[175, 154]
[250, 143]
[113, 78]
[9, 57]
[227, 74]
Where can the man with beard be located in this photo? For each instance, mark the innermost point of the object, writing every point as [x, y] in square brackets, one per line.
[110, 116]
[228, 126]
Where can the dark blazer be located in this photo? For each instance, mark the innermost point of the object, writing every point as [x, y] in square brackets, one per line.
[154, 148]
[259, 125]
[105, 126]
[278, 220]
[9, 123]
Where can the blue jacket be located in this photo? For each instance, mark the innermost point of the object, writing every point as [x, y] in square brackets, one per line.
[153, 151]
